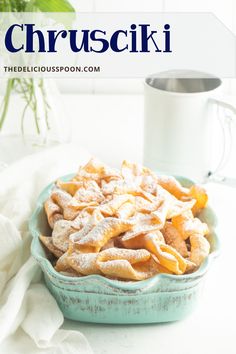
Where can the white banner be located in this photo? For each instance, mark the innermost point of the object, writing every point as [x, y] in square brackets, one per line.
[114, 45]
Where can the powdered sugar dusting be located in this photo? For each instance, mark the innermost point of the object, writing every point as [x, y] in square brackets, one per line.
[102, 207]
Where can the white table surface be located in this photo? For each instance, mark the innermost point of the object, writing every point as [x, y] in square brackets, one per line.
[111, 127]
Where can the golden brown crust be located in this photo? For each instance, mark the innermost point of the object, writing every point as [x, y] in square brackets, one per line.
[47, 242]
[126, 264]
[128, 225]
[174, 239]
[102, 233]
[53, 212]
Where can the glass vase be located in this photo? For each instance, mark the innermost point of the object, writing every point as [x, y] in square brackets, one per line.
[33, 118]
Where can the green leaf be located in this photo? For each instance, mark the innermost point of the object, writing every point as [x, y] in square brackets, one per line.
[30, 7]
[54, 5]
[5, 6]
[53, 9]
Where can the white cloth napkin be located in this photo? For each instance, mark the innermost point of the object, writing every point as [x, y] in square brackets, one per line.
[30, 319]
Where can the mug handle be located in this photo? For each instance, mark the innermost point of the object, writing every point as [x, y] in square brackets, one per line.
[226, 125]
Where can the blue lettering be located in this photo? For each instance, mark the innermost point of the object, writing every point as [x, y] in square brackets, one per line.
[138, 38]
[167, 39]
[84, 43]
[114, 41]
[133, 39]
[52, 38]
[8, 39]
[30, 33]
[146, 37]
[104, 42]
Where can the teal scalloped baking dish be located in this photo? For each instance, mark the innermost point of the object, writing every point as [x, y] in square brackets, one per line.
[94, 298]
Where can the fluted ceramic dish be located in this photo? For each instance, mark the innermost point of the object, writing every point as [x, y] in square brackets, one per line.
[94, 298]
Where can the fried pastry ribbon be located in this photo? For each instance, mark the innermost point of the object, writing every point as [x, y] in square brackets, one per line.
[170, 206]
[200, 249]
[62, 264]
[166, 255]
[199, 194]
[84, 263]
[53, 212]
[95, 170]
[75, 237]
[63, 199]
[47, 242]
[70, 187]
[187, 225]
[174, 239]
[171, 184]
[102, 233]
[101, 211]
[60, 235]
[126, 264]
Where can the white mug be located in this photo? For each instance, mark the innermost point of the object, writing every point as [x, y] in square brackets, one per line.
[180, 107]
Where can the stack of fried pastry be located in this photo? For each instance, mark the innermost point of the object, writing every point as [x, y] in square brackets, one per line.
[128, 225]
